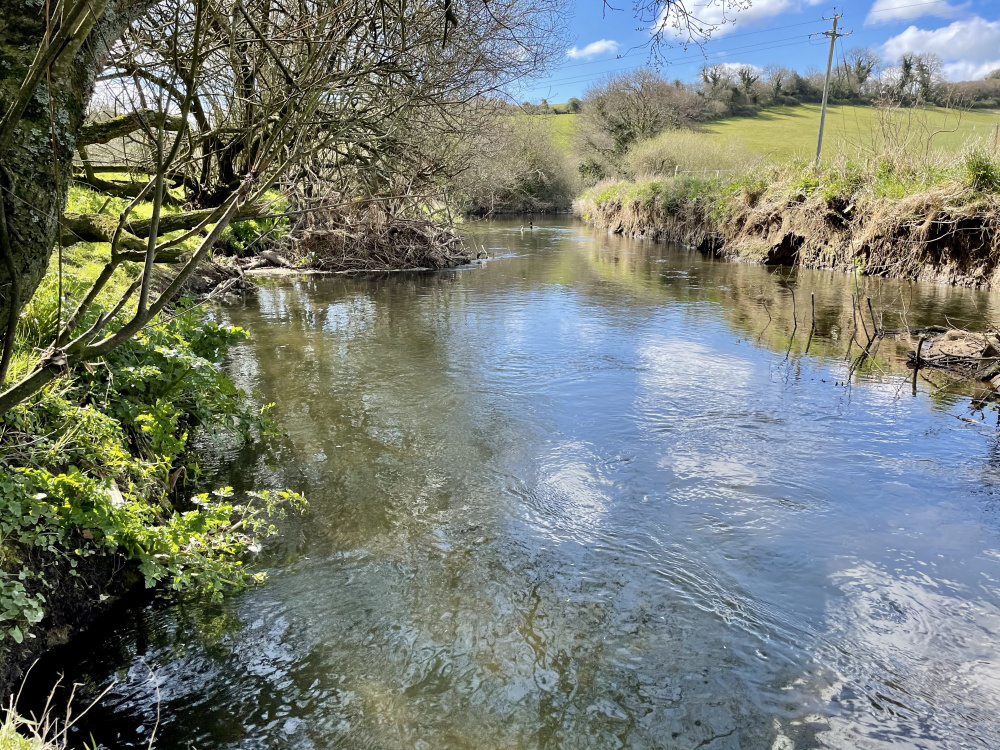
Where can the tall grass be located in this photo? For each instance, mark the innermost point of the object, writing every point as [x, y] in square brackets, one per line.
[50, 730]
[729, 174]
[688, 151]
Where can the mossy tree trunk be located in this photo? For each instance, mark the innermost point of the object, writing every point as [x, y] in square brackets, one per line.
[37, 147]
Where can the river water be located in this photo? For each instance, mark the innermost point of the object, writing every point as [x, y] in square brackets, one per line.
[591, 493]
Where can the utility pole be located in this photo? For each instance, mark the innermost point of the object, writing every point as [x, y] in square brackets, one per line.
[832, 33]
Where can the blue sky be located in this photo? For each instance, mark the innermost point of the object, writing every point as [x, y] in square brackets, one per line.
[966, 35]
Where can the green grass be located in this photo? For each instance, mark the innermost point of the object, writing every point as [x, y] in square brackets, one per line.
[563, 131]
[784, 133]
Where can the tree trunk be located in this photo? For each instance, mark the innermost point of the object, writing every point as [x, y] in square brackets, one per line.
[36, 161]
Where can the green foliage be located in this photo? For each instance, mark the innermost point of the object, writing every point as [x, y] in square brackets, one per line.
[81, 265]
[11, 737]
[982, 171]
[688, 151]
[90, 466]
[843, 183]
[803, 182]
[591, 171]
[17, 606]
[244, 237]
[667, 195]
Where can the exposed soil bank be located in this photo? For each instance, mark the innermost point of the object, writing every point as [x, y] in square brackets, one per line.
[948, 233]
[74, 601]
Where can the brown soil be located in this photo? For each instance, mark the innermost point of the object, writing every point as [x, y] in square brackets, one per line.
[944, 234]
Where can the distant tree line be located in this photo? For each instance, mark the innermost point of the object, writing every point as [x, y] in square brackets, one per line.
[516, 165]
[861, 76]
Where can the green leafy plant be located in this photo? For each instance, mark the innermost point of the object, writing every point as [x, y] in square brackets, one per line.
[982, 171]
[93, 465]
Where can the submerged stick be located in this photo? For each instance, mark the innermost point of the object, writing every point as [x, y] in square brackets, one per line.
[916, 363]
[863, 326]
[872, 313]
[812, 329]
[795, 323]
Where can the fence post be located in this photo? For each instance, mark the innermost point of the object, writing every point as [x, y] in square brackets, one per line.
[677, 169]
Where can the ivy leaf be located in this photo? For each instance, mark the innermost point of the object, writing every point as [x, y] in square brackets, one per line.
[16, 634]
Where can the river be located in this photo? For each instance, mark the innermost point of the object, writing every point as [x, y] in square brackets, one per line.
[590, 493]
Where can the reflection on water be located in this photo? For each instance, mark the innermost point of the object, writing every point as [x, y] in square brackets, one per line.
[591, 494]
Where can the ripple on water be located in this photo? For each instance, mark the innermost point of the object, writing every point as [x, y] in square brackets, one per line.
[586, 496]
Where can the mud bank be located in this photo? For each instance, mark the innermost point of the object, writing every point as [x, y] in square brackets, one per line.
[948, 233]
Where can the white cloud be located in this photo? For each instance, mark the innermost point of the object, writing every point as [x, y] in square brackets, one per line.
[965, 70]
[600, 47]
[720, 17]
[907, 10]
[969, 47]
[734, 68]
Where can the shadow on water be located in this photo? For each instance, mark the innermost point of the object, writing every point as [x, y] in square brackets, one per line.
[590, 494]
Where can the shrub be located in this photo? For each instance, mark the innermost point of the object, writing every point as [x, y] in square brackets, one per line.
[517, 167]
[90, 466]
[981, 170]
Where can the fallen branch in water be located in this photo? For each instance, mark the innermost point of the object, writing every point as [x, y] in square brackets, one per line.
[370, 238]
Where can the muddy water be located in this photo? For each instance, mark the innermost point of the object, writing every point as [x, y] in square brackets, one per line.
[592, 494]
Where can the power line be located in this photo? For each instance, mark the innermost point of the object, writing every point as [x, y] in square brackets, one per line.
[760, 31]
[750, 48]
[734, 36]
[707, 55]
[903, 7]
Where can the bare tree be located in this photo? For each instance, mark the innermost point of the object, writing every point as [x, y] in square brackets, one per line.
[210, 103]
[218, 101]
[775, 76]
[686, 21]
[625, 108]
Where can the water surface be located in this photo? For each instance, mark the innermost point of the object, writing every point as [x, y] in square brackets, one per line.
[592, 493]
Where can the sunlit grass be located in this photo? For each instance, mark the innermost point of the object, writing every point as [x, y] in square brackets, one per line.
[783, 134]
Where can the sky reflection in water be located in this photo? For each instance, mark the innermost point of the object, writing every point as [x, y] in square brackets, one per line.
[590, 495]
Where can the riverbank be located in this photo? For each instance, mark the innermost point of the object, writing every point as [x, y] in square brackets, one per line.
[100, 490]
[890, 218]
[100, 493]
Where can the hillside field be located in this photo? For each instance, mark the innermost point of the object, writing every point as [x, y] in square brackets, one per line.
[784, 133]
[562, 128]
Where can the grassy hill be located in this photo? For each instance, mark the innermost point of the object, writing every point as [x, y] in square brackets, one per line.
[562, 128]
[786, 132]
[783, 133]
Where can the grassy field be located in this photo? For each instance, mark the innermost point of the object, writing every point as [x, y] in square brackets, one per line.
[562, 128]
[784, 133]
